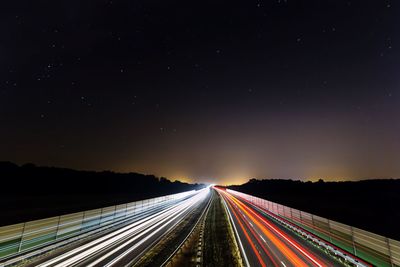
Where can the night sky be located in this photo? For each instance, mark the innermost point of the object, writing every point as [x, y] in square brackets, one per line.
[210, 91]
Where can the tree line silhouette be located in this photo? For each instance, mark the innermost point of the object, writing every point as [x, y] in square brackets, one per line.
[30, 192]
[371, 205]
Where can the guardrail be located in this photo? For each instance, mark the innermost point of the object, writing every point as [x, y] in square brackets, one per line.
[373, 248]
[24, 237]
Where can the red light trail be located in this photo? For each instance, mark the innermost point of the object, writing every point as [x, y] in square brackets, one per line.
[265, 243]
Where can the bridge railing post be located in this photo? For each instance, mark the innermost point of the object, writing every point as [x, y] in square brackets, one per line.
[126, 210]
[312, 222]
[330, 231]
[352, 239]
[22, 238]
[58, 226]
[390, 252]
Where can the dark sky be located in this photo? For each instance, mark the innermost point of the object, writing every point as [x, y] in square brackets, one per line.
[214, 91]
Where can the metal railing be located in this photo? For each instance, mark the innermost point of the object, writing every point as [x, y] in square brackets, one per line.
[373, 248]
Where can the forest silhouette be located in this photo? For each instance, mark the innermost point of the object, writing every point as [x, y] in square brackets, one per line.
[371, 205]
[30, 192]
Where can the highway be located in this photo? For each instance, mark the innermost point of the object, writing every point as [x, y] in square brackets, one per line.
[262, 237]
[266, 243]
[124, 246]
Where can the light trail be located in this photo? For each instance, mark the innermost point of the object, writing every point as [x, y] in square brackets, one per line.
[255, 251]
[290, 227]
[267, 242]
[110, 249]
[244, 255]
[279, 243]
